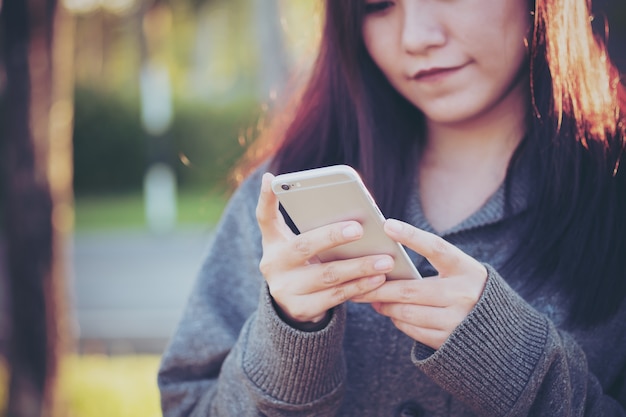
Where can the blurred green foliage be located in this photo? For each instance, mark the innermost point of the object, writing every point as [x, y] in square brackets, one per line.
[112, 150]
[127, 210]
[109, 144]
[215, 55]
[208, 139]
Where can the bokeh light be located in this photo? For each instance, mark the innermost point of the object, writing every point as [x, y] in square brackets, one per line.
[88, 6]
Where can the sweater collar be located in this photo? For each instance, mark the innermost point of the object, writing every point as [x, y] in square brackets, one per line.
[509, 200]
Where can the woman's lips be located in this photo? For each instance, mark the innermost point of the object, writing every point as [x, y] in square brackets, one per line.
[435, 74]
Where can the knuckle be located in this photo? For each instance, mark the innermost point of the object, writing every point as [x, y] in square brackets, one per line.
[366, 268]
[302, 245]
[360, 286]
[278, 291]
[405, 314]
[335, 236]
[299, 313]
[440, 247]
[329, 274]
[407, 292]
[259, 213]
[339, 295]
[265, 266]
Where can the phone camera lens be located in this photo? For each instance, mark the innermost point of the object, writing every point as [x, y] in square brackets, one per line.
[285, 187]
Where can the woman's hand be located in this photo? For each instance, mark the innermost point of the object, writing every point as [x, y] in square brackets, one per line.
[429, 310]
[303, 288]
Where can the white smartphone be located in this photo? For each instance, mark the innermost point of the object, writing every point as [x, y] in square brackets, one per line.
[321, 196]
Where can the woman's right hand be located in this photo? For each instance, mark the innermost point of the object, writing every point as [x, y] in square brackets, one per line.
[303, 288]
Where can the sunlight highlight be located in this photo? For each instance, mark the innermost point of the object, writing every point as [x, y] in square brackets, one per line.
[87, 6]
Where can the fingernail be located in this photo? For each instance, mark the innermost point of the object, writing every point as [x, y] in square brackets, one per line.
[351, 232]
[383, 264]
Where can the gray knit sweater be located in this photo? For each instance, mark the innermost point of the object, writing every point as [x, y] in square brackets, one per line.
[233, 356]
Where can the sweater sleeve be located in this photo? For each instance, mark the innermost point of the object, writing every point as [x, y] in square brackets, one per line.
[507, 359]
[231, 354]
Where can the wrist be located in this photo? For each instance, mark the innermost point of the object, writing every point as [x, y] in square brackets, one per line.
[314, 325]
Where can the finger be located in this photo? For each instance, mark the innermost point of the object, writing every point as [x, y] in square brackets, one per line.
[426, 317]
[271, 222]
[308, 307]
[308, 244]
[446, 258]
[316, 277]
[340, 294]
[428, 325]
[461, 292]
[429, 337]
[332, 274]
[431, 292]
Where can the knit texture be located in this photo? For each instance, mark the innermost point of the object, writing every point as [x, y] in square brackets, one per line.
[232, 355]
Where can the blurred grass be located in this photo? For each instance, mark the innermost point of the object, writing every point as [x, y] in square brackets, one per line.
[126, 211]
[121, 386]
[103, 386]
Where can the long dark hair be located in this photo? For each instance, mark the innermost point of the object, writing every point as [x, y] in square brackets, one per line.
[576, 229]
[348, 113]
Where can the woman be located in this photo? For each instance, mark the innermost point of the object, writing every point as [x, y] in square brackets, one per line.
[493, 131]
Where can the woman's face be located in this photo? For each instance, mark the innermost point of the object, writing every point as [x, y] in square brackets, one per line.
[456, 60]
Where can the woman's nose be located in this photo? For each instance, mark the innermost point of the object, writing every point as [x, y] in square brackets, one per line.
[422, 29]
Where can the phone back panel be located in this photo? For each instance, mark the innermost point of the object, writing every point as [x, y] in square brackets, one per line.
[322, 196]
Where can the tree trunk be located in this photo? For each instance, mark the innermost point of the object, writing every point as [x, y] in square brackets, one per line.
[38, 204]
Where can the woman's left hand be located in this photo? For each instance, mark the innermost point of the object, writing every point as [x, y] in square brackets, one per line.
[428, 310]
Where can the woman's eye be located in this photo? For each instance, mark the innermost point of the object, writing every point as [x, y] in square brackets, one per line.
[378, 6]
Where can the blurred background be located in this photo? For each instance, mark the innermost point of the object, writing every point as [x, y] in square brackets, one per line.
[121, 123]
[160, 99]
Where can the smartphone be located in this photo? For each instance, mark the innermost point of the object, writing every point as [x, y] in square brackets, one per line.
[317, 197]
